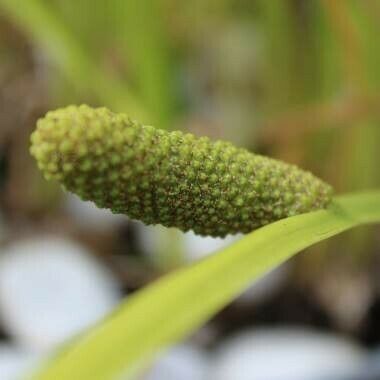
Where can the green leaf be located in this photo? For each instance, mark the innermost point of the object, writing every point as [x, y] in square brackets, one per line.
[177, 304]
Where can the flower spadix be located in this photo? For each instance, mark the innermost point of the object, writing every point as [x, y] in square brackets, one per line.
[169, 178]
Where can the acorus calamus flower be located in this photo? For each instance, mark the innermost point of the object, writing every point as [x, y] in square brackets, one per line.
[169, 178]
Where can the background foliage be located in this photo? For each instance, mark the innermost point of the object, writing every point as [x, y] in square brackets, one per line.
[297, 80]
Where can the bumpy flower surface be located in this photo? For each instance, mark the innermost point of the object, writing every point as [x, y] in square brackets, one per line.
[169, 178]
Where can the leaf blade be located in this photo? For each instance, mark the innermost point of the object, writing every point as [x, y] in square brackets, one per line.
[140, 326]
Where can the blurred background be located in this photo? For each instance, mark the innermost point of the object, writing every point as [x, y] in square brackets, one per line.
[298, 80]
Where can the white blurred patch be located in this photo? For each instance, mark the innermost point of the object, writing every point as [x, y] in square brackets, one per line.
[188, 246]
[88, 215]
[51, 289]
[15, 363]
[184, 362]
[286, 354]
[371, 368]
[161, 246]
[197, 247]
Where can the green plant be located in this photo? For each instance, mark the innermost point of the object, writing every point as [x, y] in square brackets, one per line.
[169, 178]
[317, 105]
[90, 150]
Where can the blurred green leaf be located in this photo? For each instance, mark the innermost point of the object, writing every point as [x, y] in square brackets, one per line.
[277, 21]
[142, 37]
[174, 306]
[50, 32]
